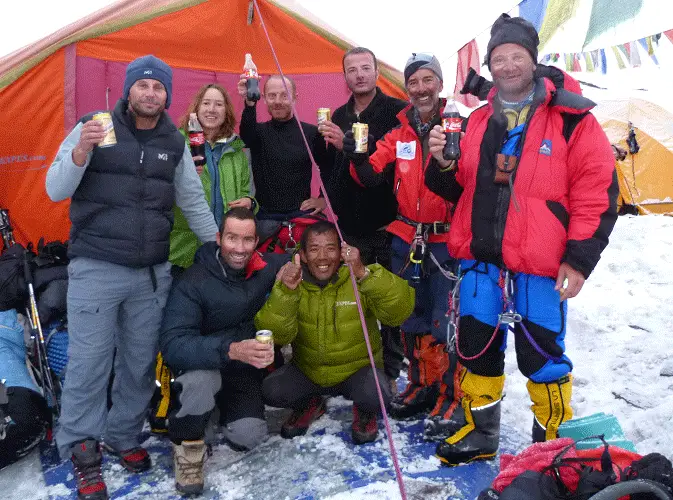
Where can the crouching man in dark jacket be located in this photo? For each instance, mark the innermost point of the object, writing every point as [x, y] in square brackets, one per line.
[208, 340]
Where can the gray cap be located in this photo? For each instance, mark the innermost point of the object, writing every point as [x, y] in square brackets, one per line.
[422, 61]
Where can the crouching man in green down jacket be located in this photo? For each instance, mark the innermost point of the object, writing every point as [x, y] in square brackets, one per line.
[312, 306]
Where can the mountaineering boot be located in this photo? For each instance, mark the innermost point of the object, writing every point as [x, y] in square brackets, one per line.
[447, 416]
[479, 438]
[188, 459]
[86, 461]
[365, 427]
[134, 460]
[551, 406]
[301, 419]
[427, 362]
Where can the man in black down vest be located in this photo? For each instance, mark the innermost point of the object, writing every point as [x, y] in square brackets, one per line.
[121, 211]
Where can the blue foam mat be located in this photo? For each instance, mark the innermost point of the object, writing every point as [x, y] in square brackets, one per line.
[323, 463]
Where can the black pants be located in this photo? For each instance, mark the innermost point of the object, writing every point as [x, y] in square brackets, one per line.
[288, 387]
[375, 249]
[236, 390]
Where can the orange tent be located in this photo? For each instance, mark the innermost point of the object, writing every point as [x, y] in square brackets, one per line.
[645, 178]
[46, 87]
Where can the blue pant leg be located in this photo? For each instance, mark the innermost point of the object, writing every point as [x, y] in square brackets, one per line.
[544, 316]
[421, 318]
[480, 304]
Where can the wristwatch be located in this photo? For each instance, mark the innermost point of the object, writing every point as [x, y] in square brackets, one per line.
[365, 276]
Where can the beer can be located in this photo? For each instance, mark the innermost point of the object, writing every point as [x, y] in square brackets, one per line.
[324, 114]
[264, 336]
[360, 134]
[105, 119]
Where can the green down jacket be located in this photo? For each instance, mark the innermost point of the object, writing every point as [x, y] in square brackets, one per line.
[234, 184]
[323, 325]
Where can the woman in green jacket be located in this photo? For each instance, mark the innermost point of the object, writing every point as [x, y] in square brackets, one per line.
[225, 176]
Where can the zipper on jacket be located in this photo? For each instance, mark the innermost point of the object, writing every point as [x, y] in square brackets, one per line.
[397, 186]
[141, 247]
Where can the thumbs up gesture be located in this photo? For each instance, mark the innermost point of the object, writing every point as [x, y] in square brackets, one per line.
[290, 273]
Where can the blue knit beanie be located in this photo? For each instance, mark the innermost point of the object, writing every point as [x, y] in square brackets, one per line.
[149, 67]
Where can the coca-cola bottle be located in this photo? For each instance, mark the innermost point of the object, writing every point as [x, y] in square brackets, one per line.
[252, 82]
[197, 141]
[452, 124]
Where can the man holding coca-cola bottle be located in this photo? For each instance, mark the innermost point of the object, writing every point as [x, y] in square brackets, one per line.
[281, 166]
[535, 188]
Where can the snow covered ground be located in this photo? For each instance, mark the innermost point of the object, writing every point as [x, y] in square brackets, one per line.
[619, 337]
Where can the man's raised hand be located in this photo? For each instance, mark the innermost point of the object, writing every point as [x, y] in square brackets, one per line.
[290, 274]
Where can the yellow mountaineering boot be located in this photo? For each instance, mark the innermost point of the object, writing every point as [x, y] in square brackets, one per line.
[479, 438]
[551, 406]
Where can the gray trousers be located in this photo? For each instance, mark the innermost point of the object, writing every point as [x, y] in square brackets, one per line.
[110, 307]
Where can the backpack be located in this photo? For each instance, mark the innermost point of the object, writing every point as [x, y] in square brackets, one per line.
[13, 289]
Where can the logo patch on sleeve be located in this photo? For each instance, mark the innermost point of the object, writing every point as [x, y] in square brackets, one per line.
[545, 147]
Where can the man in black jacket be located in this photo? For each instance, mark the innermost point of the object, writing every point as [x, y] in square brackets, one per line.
[208, 340]
[281, 166]
[365, 213]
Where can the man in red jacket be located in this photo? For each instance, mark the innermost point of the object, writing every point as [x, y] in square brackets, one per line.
[419, 251]
[536, 197]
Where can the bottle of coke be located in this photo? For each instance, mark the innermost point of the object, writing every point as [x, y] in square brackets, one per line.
[452, 124]
[252, 83]
[197, 141]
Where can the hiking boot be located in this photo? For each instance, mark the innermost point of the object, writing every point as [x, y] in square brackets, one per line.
[415, 400]
[427, 363]
[302, 418]
[477, 441]
[551, 407]
[134, 460]
[447, 416]
[479, 438]
[188, 459]
[86, 461]
[365, 427]
[444, 420]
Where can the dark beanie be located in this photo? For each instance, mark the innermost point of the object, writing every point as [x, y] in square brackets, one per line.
[516, 30]
[149, 67]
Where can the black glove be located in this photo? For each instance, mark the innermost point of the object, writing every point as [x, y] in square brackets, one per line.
[476, 85]
[349, 149]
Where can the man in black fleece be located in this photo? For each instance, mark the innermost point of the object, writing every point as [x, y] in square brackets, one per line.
[281, 166]
[208, 340]
[364, 213]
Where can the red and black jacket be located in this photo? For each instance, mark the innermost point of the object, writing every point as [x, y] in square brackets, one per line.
[402, 150]
[563, 205]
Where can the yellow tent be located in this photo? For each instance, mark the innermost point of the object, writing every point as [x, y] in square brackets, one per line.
[645, 178]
